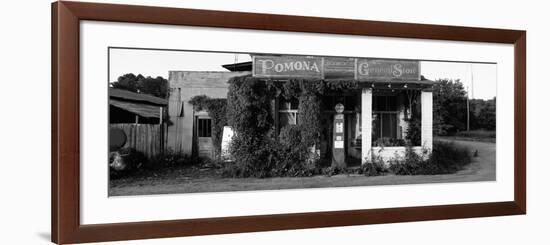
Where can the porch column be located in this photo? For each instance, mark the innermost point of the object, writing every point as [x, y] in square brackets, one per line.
[366, 125]
[427, 119]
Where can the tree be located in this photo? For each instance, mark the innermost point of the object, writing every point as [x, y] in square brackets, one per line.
[146, 85]
[449, 106]
[483, 114]
[450, 110]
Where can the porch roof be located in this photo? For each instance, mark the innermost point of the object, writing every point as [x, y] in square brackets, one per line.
[144, 110]
[131, 96]
[381, 84]
[397, 84]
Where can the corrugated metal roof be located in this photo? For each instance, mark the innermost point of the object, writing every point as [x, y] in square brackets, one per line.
[141, 109]
[127, 95]
[243, 66]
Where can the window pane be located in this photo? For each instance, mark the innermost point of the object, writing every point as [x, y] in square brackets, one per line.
[283, 105]
[389, 125]
[375, 126]
[287, 118]
[291, 104]
[204, 127]
[294, 104]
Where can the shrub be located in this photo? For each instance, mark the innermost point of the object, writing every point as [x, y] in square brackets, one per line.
[446, 158]
[251, 154]
[169, 159]
[249, 106]
[373, 168]
[128, 161]
[291, 136]
[310, 117]
[293, 162]
[370, 168]
[249, 113]
[261, 159]
[411, 164]
[388, 142]
[449, 157]
[413, 134]
[265, 157]
[335, 170]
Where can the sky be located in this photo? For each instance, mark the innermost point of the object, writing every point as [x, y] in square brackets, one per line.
[158, 62]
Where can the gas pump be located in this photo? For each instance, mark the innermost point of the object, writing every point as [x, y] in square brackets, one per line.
[338, 149]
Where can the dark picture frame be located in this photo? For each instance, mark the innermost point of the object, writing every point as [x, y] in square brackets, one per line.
[65, 104]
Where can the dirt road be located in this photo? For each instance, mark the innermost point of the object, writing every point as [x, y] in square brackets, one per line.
[483, 168]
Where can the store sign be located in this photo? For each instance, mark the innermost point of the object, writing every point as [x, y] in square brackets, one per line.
[287, 66]
[334, 68]
[339, 68]
[379, 69]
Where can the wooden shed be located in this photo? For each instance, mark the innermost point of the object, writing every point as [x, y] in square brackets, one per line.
[141, 117]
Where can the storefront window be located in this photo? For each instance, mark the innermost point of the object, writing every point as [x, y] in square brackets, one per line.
[385, 121]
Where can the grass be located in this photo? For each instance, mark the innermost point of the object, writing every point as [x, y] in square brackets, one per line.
[473, 135]
[477, 134]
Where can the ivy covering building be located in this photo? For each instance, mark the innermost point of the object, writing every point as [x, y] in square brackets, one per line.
[289, 111]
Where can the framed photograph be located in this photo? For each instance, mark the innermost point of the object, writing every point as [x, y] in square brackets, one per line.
[177, 122]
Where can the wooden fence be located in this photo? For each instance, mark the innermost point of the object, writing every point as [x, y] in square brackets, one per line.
[145, 138]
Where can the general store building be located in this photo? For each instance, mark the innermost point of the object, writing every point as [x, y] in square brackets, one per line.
[371, 120]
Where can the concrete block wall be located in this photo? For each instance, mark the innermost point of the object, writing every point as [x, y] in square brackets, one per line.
[183, 86]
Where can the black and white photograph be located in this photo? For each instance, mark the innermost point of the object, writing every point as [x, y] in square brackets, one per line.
[185, 121]
[275, 122]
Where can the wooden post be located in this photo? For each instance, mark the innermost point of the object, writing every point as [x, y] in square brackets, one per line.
[366, 125]
[426, 103]
[137, 119]
[160, 115]
[161, 129]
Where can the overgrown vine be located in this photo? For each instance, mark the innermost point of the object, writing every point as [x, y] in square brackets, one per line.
[217, 109]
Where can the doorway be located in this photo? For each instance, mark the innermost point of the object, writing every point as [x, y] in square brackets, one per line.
[204, 136]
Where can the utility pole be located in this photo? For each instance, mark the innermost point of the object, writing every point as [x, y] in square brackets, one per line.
[467, 111]
[468, 97]
[472, 74]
